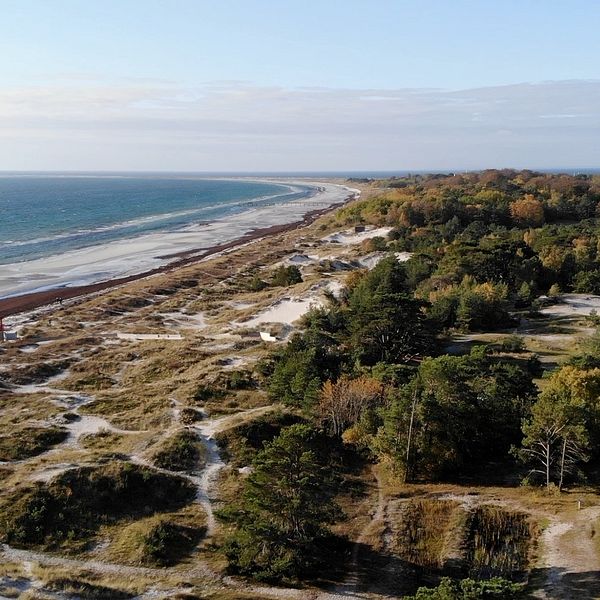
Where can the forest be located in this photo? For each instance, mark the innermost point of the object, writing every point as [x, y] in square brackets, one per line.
[371, 381]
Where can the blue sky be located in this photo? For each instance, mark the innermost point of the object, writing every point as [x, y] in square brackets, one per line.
[298, 85]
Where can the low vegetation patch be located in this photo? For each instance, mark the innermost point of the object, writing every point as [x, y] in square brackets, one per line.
[85, 590]
[167, 543]
[68, 510]
[30, 441]
[423, 531]
[497, 543]
[159, 540]
[36, 372]
[181, 452]
[219, 385]
[188, 416]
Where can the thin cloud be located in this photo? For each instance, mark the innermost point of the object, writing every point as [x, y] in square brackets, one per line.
[158, 125]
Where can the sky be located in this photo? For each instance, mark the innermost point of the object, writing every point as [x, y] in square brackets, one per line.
[290, 85]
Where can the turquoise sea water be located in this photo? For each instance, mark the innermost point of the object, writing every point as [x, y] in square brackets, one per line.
[42, 216]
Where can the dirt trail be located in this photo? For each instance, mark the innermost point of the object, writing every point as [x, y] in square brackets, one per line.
[349, 589]
[205, 484]
[207, 480]
[571, 558]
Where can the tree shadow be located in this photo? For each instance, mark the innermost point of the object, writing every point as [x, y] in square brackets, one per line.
[561, 585]
[379, 573]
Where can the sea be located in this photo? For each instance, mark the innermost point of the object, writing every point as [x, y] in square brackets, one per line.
[42, 216]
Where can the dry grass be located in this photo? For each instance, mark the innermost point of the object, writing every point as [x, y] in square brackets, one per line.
[422, 534]
[134, 383]
[126, 545]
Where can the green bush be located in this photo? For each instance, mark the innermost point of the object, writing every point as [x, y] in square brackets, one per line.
[30, 441]
[74, 504]
[285, 276]
[166, 543]
[239, 445]
[181, 452]
[513, 343]
[470, 589]
[587, 282]
[256, 284]
[208, 392]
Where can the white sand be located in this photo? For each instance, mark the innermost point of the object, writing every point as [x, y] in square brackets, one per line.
[128, 257]
[371, 260]
[239, 305]
[288, 310]
[301, 259]
[573, 305]
[86, 425]
[348, 237]
[285, 311]
[183, 320]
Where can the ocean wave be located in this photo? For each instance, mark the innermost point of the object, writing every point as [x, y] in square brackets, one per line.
[156, 218]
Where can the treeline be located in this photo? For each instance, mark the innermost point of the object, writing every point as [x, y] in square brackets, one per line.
[525, 233]
[365, 376]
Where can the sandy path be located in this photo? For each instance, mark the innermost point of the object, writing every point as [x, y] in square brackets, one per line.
[206, 482]
[349, 588]
[570, 558]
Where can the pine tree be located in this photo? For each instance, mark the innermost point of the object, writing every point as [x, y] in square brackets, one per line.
[286, 507]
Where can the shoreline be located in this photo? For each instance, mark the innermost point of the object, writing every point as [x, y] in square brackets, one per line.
[20, 303]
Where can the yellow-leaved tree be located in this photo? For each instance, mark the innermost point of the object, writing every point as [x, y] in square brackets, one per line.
[557, 433]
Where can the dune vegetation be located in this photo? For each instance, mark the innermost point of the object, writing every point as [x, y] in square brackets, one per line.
[400, 400]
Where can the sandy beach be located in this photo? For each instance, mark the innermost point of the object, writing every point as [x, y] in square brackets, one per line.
[28, 285]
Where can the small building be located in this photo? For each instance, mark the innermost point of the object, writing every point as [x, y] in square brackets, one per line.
[265, 336]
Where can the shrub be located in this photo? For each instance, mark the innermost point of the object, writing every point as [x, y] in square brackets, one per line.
[256, 284]
[182, 452]
[554, 290]
[469, 589]
[374, 244]
[513, 343]
[240, 444]
[285, 276]
[30, 441]
[208, 392]
[166, 543]
[240, 380]
[190, 415]
[587, 282]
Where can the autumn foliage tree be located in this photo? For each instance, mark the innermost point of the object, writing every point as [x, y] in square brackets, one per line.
[343, 403]
[527, 211]
[558, 432]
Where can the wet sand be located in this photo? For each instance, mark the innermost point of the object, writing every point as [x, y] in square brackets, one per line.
[26, 302]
